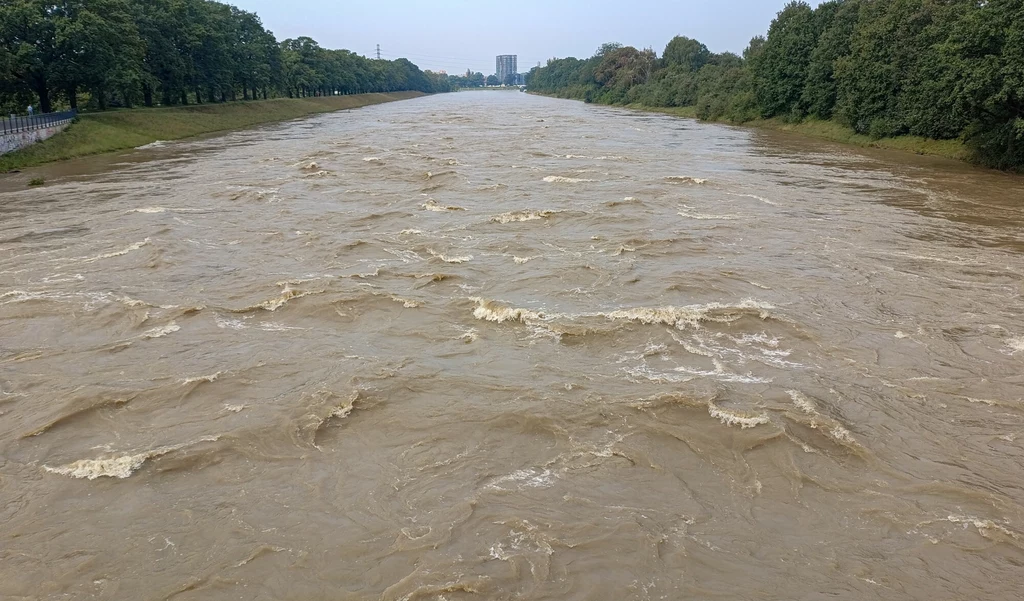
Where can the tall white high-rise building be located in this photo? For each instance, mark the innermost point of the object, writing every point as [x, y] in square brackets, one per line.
[505, 65]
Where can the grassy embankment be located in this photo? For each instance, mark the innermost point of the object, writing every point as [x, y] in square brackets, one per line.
[834, 132]
[96, 133]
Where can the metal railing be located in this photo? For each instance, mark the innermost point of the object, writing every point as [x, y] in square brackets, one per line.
[20, 123]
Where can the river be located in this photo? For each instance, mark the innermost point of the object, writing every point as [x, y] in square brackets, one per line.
[498, 346]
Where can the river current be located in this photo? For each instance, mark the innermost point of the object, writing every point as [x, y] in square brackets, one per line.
[496, 346]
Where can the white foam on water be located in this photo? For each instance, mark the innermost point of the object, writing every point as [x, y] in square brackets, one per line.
[209, 379]
[225, 323]
[1016, 345]
[901, 335]
[723, 375]
[756, 197]
[149, 210]
[802, 402]
[235, 408]
[528, 478]
[677, 317]
[982, 525]
[407, 303]
[489, 310]
[122, 466]
[277, 327]
[685, 179]
[151, 145]
[557, 179]
[521, 216]
[982, 401]
[691, 315]
[447, 259]
[735, 418]
[410, 232]
[522, 260]
[841, 434]
[372, 160]
[162, 331]
[286, 295]
[689, 213]
[431, 205]
[111, 255]
[469, 335]
[644, 372]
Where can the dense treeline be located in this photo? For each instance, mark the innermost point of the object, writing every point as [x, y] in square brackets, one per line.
[469, 80]
[939, 69]
[145, 52]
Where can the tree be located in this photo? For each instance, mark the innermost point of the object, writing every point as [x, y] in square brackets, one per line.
[780, 71]
[838, 21]
[689, 54]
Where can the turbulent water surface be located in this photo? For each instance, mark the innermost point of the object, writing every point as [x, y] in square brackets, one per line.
[495, 346]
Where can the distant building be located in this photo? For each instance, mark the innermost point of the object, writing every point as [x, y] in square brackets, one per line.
[505, 65]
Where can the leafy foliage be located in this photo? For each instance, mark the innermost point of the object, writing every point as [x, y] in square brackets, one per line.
[172, 52]
[934, 69]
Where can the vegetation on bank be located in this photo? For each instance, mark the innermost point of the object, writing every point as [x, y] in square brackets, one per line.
[833, 131]
[95, 54]
[938, 76]
[96, 133]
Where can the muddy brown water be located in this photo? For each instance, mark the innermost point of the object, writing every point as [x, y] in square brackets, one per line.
[496, 346]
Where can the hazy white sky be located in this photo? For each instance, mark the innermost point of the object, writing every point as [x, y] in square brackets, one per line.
[455, 35]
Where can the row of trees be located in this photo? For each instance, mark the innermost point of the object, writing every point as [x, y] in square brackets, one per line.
[477, 80]
[941, 69]
[129, 52]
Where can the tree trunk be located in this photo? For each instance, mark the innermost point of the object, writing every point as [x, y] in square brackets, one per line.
[101, 98]
[44, 95]
[73, 97]
[184, 98]
[199, 95]
[147, 95]
[245, 91]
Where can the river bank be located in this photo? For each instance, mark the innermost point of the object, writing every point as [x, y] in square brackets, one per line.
[96, 133]
[834, 132]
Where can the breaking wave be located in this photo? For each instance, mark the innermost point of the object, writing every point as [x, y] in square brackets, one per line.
[678, 317]
[118, 466]
[450, 259]
[119, 253]
[521, 216]
[736, 418]
[431, 205]
[162, 331]
[557, 179]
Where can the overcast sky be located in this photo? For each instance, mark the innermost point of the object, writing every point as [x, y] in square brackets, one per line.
[455, 35]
